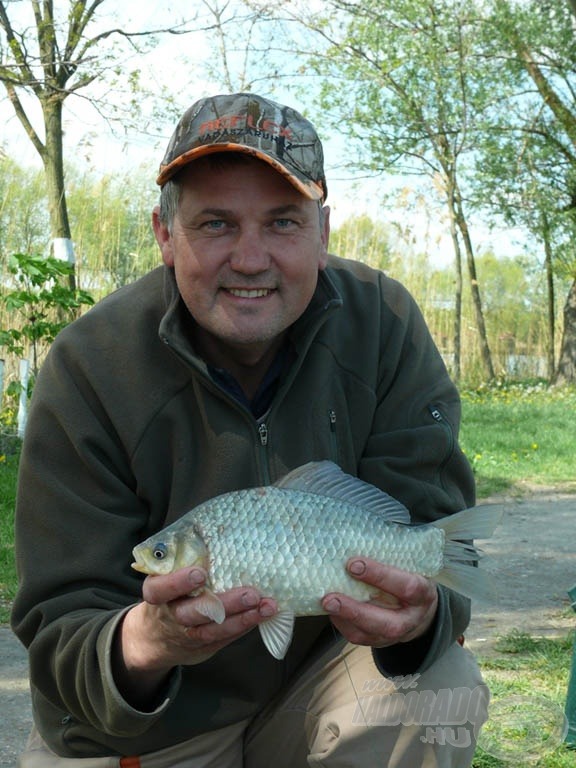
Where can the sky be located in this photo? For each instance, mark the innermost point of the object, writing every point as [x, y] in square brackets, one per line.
[177, 62]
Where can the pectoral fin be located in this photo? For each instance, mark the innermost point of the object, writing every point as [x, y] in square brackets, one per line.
[209, 605]
[277, 633]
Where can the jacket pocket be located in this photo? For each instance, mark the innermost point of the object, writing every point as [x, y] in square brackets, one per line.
[440, 419]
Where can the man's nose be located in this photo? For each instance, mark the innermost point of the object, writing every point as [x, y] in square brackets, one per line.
[249, 253]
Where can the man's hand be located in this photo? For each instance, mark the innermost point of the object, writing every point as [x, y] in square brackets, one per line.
[166, 630]
[405, 609]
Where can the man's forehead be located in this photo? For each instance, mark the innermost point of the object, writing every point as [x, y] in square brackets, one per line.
[206, 178]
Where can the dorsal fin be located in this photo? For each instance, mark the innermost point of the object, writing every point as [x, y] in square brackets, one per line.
[324, 478]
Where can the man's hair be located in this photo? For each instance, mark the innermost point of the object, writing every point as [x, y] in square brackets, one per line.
[169, 202]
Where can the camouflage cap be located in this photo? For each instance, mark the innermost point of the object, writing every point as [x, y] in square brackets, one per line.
[244, 122]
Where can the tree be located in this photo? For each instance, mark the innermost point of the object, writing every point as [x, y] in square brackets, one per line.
[538, 40]
[361, 238]
[23, 213]
[43, 306]
[407, 88]
[65, 55]
[110, 216]
[520, 179]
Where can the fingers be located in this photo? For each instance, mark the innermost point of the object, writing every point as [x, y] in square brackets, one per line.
[403, 610]
[184, 634]
[157, 590]
[243, 602]
[243, 613]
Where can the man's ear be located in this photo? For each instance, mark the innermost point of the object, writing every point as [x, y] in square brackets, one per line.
[163, 237]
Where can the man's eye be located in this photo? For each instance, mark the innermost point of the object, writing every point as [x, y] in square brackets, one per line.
[215, 225]
[284, 223]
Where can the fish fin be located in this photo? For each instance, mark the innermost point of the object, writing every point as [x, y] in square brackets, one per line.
[457, 574]
[324, 478]
[469, 581]
[277, 632]
[474, 523]
[210, 605]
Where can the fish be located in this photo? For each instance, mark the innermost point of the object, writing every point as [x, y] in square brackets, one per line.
[291, 541]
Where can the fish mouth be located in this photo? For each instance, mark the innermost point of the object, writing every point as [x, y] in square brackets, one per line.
[140, 567]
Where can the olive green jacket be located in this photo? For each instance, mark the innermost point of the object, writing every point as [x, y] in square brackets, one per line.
[127, 431]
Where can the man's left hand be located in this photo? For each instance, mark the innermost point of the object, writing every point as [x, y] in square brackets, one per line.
[404, 609]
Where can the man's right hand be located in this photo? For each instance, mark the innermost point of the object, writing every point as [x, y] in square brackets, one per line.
[166, 630]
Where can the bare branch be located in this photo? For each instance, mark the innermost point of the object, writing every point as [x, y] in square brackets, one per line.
[23, 118]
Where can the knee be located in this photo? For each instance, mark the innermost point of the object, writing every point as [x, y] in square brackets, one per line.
[420, 720]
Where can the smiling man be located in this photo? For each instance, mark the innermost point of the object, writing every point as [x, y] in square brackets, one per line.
[248, 353]
[246, 248]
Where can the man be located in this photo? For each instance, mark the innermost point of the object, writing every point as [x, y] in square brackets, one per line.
[249, 353]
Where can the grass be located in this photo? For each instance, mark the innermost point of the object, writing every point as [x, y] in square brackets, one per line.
[528, 680]
[516, 437]
[8, 581]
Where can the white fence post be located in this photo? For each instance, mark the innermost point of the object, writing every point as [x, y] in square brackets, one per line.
[63, 249]
[23, 402]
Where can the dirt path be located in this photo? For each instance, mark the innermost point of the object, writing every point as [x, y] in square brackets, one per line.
[533, 559]
[15, 710]
[532, 555]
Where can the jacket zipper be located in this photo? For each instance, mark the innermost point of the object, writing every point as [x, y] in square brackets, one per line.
[263, 433]
[438, 417]
[333, 435]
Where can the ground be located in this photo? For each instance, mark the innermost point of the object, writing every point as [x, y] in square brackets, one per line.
[532, 556]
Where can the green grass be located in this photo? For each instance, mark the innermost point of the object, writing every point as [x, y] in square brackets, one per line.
[8, 469]
[522, 671]
[516, 436]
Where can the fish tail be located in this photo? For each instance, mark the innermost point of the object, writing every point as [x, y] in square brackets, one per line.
[460, 553]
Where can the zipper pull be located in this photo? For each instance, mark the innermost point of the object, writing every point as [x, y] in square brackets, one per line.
[263, 432]
[332, 417]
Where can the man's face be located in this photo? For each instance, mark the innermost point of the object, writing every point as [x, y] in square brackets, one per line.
[246, 248]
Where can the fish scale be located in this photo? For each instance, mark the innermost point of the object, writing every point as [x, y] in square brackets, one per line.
[291, 541]
[295, 559]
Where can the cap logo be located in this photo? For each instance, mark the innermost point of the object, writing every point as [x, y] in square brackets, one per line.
[244, 122]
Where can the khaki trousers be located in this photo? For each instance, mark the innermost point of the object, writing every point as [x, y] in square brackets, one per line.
[339, 713]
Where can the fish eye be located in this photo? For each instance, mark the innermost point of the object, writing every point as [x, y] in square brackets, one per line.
[160, 551]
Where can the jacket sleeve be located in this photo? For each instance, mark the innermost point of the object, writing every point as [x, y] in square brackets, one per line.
[78, 515]
[413, 453]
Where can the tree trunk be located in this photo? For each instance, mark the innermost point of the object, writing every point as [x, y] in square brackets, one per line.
[474, 289]
[53, 159]
[551, 300]
[457, 295]
[566, 371]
